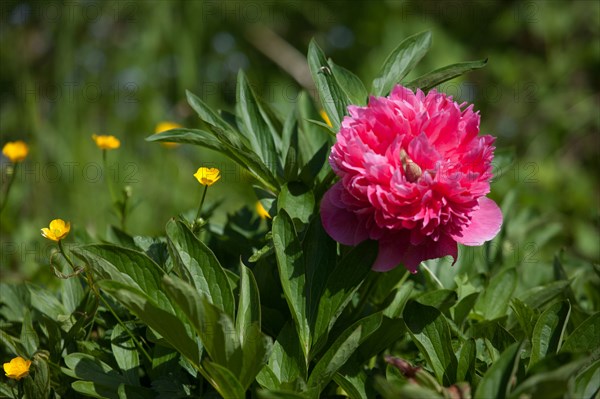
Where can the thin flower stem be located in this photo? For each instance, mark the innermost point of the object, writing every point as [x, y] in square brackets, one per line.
[135, 340]
[10, 182]
[433, 276]
[201, 203]
[64, 254]
[108, 180]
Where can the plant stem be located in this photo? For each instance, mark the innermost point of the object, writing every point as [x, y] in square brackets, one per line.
[10, 182]
[201, 203]
[135, 340]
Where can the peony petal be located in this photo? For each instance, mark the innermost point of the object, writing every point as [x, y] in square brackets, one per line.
[430, 249]
[391, 250]
[485, 224]
[339, 222]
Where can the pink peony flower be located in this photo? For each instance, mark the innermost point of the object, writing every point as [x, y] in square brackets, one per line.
[414, 176]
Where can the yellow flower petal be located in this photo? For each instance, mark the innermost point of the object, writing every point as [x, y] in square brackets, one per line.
[16, 151]
[57, 230]
[262, 212]
[207, 176]
[105, 142]
[163, 127]
[17, 368]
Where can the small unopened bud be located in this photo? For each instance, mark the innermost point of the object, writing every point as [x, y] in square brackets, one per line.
[127, 190]
[412, 171]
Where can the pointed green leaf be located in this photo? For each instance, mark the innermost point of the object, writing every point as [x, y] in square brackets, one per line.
[430, 332]
[340, 287]
[291, 264]
[298, 201]
[285, 363]
[256, 126]
[350, 84]
[223, 381]
[205, 112]
[586, 336]
[401, 61]
[548, 331]
[496, 380]
[163, 321]
[248, 311]
[333, 99]
[587, 382]
[127, 266]
[494, 300]
[441, 75]
[341, 349]
[126, 354]
[548, 385]
[466, 361]
[197, 262]
[213, 326]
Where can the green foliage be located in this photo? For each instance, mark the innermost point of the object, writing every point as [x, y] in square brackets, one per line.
[303, 317]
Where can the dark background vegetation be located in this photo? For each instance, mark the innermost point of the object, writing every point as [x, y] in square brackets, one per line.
[74, 68]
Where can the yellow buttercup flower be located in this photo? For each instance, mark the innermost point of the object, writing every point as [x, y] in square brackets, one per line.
[58, 230]
[207, 176]
[106, 142]
[262, 212]
[325, 117]
[16, 151]
[17, 368]
[163, 127]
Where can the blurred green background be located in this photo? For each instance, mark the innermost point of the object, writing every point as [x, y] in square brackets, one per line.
[72, 69]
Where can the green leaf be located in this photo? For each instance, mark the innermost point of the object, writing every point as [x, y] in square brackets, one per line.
[549, 385]
[126, 266]
[285, 363]
[355, 385]
[341, 350]
[441, 299]
[292, 273]
[199, 266]
[587, 382]
[298, 201]
[548, 331]
[539, 296]
[430, 332]
[205, 112]
[223, 381]
[198, 137]
[38, 386]
[333, 99]
[350, 83]
[444, 74]
[586, 336]
[494, 300]
[101, 377]
[29, 338]
[320, 255]
[466, 361]
[125, 353]
[390, 331]
[248, 311]
[163, 321]
[280, 394]
[526, 316]
[256, 127]
[401, 61]
[496, 381]
[463, 307]
[339, 289]
[401, 295]
[215, 328]
[311, 138]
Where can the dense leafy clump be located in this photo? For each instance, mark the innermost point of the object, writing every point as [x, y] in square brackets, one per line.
[275, 308]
